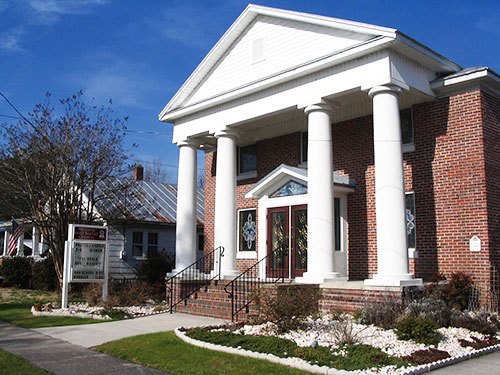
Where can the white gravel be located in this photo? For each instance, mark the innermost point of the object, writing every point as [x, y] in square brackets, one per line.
[323, 330]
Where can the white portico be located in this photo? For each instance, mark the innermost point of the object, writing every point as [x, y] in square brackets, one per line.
[276, 72]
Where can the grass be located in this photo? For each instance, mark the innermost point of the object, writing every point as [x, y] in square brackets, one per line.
[11, 364]
[15, 308]
[165, 352]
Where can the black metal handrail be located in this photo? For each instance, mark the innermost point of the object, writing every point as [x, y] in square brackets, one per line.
[191, 279]
[242, 289]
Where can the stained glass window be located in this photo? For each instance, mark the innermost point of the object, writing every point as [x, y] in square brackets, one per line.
[290, 188]
[410, 220]
[301, 239]
[247, 230]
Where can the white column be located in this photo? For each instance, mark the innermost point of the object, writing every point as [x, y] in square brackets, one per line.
[392, 252]
[20, 244]
[185, 240]
[34, 241]
[6, 241]
[320, 215]
[225, 202]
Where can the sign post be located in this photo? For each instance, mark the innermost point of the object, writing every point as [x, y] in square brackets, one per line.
[85, 258]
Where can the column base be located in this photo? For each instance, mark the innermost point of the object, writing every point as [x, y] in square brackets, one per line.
[229, 274]
[319, 278]
[394, 280]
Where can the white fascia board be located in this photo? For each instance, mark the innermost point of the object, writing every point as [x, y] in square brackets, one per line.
[363, 48]
[483, 78]
[484, 73]
[440, 59]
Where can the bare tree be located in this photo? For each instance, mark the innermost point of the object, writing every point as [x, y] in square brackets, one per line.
[156, 172]
[55, 166]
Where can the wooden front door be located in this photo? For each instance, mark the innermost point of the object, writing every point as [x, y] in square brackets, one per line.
[287, 233]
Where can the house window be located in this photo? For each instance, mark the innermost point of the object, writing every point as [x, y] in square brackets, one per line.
[152, 243]
[406, 127]
[303, 147]
[247, 230]
[410, 219]
[137, 246]
[336, 204]
[247, 159]
[201, 242]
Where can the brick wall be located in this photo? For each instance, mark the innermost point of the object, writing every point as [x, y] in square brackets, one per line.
[446, 172]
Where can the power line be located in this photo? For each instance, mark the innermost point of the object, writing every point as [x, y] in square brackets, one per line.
[145, 132]
[16, 117]
[158, 163]
[15, 109]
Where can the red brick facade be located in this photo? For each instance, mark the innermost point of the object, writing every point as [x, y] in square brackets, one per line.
[454, 173]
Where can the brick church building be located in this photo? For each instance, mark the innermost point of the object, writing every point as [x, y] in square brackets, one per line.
[363, 154]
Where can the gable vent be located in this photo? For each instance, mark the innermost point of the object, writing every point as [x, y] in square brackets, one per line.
[258, 50]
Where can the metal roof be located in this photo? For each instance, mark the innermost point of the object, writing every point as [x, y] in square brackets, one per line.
[147, 201]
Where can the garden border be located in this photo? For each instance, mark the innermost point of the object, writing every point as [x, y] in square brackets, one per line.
[303, 365]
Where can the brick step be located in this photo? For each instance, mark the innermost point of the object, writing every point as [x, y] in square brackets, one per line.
[214, 313]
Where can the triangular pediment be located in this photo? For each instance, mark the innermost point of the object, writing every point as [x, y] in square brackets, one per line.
[264, 42]
[270, 46]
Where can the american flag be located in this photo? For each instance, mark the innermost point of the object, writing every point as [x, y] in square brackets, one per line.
[15, 233]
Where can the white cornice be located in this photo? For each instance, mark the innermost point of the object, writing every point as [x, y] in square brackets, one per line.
[482, 77]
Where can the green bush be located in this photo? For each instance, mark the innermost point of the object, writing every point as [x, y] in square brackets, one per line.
[44, 275]
[289, 307]
[155, 267]
[421, 330]
[17, 271]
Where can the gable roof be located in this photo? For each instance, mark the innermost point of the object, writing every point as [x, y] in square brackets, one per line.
[377, 35]
[144, 201]
[284, 173]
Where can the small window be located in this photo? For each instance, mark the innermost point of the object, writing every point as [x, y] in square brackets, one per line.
[406, 126]
[336, 205]
[152, 243]
[410, 220]
[247, 229]
[137, 245]
[247, 159]
[303, 149]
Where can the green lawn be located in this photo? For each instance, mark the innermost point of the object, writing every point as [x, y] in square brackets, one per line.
[11, 364]
[165, 352]
[15, 308]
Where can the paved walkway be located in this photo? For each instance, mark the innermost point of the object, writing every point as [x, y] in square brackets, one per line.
[485, 365]
[90, 335]
[62, 358]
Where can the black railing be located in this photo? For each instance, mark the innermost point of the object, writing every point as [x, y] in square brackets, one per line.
[243, 289]
[194, 277]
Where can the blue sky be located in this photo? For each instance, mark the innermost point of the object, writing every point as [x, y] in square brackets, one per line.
[138, 53]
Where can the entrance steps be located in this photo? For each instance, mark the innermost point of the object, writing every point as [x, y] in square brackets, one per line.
[213, 301]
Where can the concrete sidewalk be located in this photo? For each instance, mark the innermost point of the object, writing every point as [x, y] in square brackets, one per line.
[90, 335]
[62, 358]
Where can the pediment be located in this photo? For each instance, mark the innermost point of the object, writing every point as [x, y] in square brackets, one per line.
[270, 46]
[264, 42]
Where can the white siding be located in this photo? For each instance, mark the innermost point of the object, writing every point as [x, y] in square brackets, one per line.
[287, 44]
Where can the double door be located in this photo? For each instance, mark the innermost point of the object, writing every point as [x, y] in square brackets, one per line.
[287, 241]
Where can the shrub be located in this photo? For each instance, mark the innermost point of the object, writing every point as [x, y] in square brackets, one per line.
[17, 271]
[421, 330]
[429, 307]
[483, 322]
[115, 314]
[289, 307]
[344, 331]
[455, 292]
[120, 293]
[421, 357]
[382, 314]
[44, 275]
[155, 267]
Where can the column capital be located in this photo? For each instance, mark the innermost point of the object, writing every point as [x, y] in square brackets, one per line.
[188, 142]
[386, 88]
[323, 106]
[226, 133]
